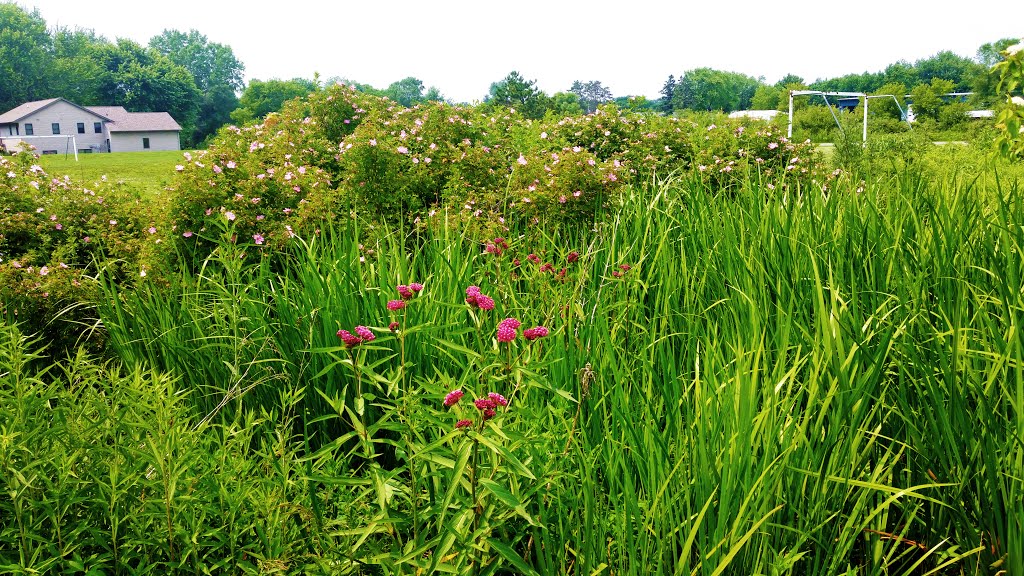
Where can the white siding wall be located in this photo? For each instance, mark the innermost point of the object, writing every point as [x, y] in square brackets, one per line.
[68, 117]
[132, 141]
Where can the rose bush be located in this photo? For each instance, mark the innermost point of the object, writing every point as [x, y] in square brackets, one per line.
[341, 153]
[54, 235]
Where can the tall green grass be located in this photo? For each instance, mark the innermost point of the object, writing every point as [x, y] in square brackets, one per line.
[781, 383]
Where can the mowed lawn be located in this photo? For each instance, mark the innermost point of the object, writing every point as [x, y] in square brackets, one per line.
[150, 172]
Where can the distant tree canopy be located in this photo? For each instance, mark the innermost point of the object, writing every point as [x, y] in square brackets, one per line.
[766, 97]
[961, 71]
[216, 71]
[591, 94]
[410, 91]
[141, 79]
[261, 97]
[514, 91]
[200, 83]
[708, 89]
[25, 53]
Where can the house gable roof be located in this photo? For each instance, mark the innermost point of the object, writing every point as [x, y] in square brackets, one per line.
[28, 108]
[125, 121]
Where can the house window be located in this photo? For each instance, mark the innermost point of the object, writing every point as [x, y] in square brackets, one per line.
[28, 130]
[145, 143]
[97, 127]
[81, 127]
[55, 127]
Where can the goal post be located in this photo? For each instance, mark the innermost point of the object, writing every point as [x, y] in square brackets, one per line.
[825, 95]
[69, 142]
[863, 96]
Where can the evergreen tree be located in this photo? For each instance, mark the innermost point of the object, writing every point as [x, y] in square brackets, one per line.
[667, 93]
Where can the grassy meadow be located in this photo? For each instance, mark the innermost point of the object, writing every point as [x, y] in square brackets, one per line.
[745, 372]
[149, 172]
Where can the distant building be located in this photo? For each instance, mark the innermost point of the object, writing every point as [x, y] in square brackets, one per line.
[94, 128]
[766, 115]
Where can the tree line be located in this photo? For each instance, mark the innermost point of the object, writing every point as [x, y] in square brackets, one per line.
[709, 90]
[200, 83]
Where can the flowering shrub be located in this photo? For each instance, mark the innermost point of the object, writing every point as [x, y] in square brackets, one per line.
[53, 234]
[341, 153]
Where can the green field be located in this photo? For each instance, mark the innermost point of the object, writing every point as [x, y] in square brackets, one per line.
[149, 171]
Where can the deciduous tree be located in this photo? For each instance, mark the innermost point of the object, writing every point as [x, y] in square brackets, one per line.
[215, 69]
[708, 89]
[24, 56]
[591, 94]
[263, 97]
[144, 80]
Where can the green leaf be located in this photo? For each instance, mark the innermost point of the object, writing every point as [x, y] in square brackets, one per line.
[511, 555]
[508, 498]
[458, 348]
[504, 453]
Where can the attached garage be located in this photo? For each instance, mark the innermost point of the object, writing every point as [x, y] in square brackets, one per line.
[140, 131]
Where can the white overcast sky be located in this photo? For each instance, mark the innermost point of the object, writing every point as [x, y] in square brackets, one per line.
[631, 46]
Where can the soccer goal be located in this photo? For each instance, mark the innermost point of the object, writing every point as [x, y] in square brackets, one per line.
[861, 95]
[70, 144]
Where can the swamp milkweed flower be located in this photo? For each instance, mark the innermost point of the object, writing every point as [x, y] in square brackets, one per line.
[349, 339]
[394, 305]
[365, 333]
[463, 424]
[507, 329]
[478, 300]
[453, 397]
[535, 332]
[484, 302]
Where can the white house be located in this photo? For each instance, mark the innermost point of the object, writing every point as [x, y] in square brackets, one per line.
[94, 128]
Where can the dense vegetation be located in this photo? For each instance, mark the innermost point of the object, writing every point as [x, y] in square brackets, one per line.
[745, 382]
[357, 337]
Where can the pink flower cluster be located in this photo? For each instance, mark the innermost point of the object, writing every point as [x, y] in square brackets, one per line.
[623, 268]
[507, 329]
[496, 247]
[488, 405]
[452, 398]
[535, 332]
[407, 292]
[477, 299]
[363, 334]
